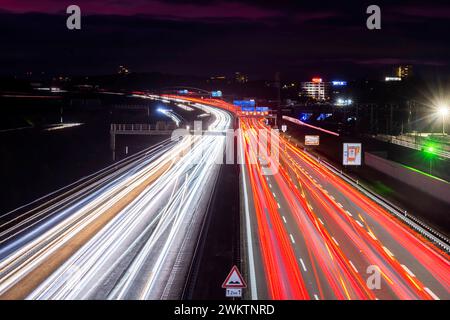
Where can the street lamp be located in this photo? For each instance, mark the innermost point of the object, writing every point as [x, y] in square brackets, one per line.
[443, 111]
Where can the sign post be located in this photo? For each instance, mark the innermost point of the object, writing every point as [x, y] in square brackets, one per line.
[234, 283]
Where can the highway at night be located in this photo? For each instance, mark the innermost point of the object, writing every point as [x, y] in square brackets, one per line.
[128, 235]
[130, 231]
[313, 236]
[220, 159]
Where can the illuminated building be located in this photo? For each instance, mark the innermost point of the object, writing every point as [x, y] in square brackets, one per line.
[123, 70]
[240, 78]
[316, 89]
[403, 71]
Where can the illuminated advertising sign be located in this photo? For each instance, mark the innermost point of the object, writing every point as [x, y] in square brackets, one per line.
[387, 79]
[352, 154]
[262, 109]
[216, 94]
[339, 83]
[312, 140]
[183, 91]
[317, 80]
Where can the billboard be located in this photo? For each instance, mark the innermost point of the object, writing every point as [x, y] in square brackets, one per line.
[312, 140]
[352, 154]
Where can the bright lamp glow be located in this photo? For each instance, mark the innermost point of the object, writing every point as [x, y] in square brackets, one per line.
[443, 110]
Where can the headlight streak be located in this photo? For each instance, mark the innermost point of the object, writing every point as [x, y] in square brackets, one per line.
[149, 228]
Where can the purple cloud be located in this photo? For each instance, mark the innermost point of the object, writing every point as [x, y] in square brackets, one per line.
[219, 9]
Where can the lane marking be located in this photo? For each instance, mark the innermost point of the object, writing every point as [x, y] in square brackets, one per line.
[335, 241]
[253, 284]
[292, 238]
[340, 205]
[321, 221]
[284, 219]
[372, 235]
[274, 194]
[360, 224]
[348, 212]
[408, 271]
[332, 198]
[270, 185]
[431, 293]
[353, 266]
[388, 252]
[316, 297]
[303, 265]
[279, 207]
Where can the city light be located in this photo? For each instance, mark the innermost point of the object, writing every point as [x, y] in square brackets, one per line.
[338, 83]
[388, 79]
[443, 112]
[343, 102]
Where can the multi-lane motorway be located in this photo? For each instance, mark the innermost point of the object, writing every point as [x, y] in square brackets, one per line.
[127, 235]
[310, 235]
[129, 232]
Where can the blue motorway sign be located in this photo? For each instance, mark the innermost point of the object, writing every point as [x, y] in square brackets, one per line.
[244, 103]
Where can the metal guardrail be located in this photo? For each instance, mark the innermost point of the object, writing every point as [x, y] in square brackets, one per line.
[142, 127]
[419, 147]
[425, 230]
[409, 144]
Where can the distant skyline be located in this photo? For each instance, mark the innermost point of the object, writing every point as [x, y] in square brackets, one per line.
[301, 39]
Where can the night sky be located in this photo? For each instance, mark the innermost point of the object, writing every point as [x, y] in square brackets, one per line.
[299, 38]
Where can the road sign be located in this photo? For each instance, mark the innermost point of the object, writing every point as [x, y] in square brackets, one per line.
[352, 154]
[247, 109]
[284, 128]
[233, 293]
[234, 280]
[312, 140]
[216, 94]
[245, 103]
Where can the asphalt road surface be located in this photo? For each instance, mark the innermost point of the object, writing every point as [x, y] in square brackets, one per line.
[310, 235]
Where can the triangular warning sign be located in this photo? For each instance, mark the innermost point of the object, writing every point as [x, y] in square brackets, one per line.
[234, 279]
